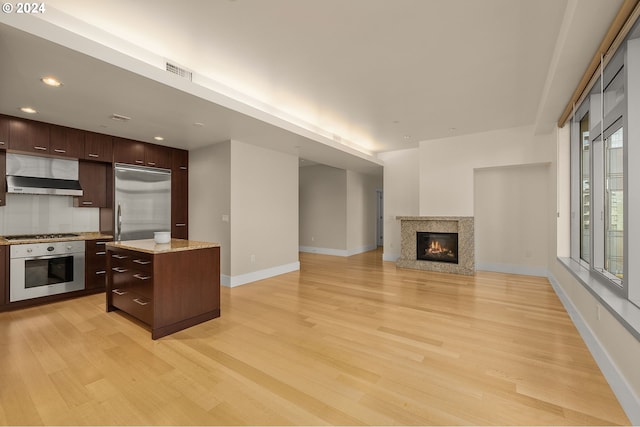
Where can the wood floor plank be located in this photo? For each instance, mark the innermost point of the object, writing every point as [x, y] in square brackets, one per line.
[345, 340]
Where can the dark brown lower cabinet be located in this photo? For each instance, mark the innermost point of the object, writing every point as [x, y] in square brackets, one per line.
[4, 279]
[95, 272]
[169, 290]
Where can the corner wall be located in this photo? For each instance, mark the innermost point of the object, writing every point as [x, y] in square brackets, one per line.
[337, 210]
[401, 195]
[264, 213]
[210, 198]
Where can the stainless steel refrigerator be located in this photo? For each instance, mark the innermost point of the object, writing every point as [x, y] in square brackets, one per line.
[142, 201]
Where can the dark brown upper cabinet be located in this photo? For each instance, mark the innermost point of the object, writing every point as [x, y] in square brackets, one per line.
[66, 142]
[128, 151]
[98, 147]
[4, 132]
[29, 136]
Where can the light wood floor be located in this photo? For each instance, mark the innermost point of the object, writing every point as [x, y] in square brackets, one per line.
[344, 341]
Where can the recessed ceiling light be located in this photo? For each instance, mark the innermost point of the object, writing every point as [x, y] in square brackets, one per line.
[51, 81]
[407, 137]
[158, 138]
[28, 110]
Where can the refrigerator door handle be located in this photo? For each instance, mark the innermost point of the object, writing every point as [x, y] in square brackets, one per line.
[119, 225]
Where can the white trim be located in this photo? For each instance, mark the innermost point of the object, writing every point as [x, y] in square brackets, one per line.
[243, 279]
[390, 257]
[336, 252]
[625, 394]
[525, 270]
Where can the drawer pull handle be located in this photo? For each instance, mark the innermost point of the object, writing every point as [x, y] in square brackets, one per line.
[100, 253]
[141, 277]
[181, 224]
[139, 162]
[184, 168]
[152, 163]
[139, 301]
[87, 203]
[142, 261]
[118, 292]
[101, 243]
[119, 269]
[101, 272]
[93, 155]
[116, 256]
[40, 148]
[57, 150]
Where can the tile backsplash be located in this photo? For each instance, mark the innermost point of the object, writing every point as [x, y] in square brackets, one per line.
[30, 214]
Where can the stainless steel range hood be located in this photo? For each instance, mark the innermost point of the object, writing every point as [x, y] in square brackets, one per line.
[42, 175]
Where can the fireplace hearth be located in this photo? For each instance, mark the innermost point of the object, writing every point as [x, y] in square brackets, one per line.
[437, 247]
[444, 244]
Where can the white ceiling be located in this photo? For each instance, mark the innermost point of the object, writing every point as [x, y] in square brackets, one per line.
[333, 81]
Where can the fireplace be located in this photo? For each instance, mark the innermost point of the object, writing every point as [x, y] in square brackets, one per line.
[437, 246]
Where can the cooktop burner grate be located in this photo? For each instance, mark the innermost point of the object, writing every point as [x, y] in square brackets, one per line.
[40, 236]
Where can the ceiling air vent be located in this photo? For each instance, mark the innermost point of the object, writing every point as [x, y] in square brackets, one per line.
[120, 118]
[179, 71]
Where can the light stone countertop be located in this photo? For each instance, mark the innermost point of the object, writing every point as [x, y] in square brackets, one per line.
[91, 235]
[151, 247]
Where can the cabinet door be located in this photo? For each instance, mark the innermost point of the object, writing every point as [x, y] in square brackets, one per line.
[128, 151]
[4, 282]
[95, 264]
[29, 136]
[98, 147]
[4, 132]
[3, 172]
[180, 194]
[93, 180]
[157, 156]
[66, 142]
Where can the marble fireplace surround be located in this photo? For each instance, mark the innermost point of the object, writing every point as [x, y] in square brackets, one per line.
[463, 225]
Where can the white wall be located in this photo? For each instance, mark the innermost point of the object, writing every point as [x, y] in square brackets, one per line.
[337, 210]
[361, 212]
[323, 209]
[245, 198]
[32, 214]
[511, 204]
[401, 195]
[210, 198]
[447, 165]
[264, 213]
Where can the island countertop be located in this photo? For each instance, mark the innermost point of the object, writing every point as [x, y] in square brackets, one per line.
[151, 247]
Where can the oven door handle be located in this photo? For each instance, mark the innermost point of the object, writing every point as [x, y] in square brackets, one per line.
[28, 258]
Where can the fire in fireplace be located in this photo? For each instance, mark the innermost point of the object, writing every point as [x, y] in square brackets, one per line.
[439, 247]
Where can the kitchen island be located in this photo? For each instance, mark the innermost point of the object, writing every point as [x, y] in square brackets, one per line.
[169, 286]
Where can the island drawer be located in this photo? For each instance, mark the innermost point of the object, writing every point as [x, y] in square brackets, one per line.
[133, 303]
[132, 260]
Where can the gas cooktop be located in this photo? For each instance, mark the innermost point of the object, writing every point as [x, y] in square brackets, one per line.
[40, 236]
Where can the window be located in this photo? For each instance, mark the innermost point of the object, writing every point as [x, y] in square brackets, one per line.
[598, 141]
[614, 205]
[585, 195]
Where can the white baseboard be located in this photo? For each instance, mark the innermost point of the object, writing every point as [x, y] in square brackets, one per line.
[625, 394]
[524, 270]
[243, 279]
[336, 252]
[390, 257]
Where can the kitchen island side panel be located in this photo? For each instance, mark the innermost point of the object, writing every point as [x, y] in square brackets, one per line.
[187, 285]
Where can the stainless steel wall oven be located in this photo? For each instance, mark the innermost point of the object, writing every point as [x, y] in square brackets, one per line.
[48, 268]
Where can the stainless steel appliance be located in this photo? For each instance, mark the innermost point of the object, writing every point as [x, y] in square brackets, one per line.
[142, 201]
[42, 175]
[47, 268]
